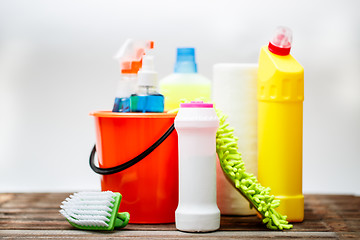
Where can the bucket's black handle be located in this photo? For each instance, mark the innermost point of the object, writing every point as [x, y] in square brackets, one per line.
[121, 167]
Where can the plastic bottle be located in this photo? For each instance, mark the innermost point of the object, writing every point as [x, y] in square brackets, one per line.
[130, 59]
[280, 115]
[196, 124]
[185, 82]
[147, 99]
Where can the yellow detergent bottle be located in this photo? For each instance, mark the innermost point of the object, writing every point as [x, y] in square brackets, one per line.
[280, 97]
[185, 82]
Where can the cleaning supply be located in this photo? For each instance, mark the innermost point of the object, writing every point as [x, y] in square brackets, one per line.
[130, 59]
[246, 183]
[233, 167]
[196, 124]
[138, 156]
[185, 82]
[147, 99]
[94, 211]
[236, 83]
[280, 114]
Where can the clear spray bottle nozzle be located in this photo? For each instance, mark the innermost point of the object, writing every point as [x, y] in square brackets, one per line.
[148, 63]
[147, 74]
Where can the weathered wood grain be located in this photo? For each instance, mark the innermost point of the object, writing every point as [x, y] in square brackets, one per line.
[36, 216]
[126, 234]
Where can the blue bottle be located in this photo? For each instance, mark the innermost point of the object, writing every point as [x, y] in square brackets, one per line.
[147, 99]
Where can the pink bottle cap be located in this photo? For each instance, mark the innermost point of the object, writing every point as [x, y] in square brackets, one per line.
[196, 104]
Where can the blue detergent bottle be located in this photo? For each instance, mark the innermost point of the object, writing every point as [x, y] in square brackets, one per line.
[147, 99]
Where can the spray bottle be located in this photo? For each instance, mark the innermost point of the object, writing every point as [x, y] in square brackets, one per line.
[280, 121]
[130, 59]
[147, 99]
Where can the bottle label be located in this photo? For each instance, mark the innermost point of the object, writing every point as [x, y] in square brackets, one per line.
[149, 103]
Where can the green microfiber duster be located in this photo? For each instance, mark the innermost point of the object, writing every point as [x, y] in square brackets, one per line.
[247, 184]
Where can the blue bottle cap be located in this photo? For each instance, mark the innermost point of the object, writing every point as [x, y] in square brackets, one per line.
[185, 61]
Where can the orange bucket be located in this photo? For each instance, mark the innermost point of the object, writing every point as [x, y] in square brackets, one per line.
[149, 187]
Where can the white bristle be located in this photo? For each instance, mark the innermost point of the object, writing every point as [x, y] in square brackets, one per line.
[88, 208]
[96, 223]
[108, 198]
[107, 193]
[90, 212]
[91, 202]
[87, 217]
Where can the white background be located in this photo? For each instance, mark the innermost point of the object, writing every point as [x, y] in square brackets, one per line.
[56, 66]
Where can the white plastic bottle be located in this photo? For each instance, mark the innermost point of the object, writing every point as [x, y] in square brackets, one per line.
[196, 125]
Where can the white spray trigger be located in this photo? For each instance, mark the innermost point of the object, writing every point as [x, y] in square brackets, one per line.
[147, 74]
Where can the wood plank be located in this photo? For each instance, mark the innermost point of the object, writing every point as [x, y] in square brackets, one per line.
[6, 197]
[236, 225]
[126, 234]
[30, 215]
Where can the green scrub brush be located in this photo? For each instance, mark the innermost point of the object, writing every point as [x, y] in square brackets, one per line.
[247, 184]
[94, 211]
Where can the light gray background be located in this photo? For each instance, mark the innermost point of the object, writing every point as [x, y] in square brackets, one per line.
[56, 66]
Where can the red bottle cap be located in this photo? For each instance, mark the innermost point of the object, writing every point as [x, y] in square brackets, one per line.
[281, 42]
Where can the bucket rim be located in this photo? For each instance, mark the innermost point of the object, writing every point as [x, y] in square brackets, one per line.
[110, 114]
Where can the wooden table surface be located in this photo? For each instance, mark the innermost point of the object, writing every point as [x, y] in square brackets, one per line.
[36, 215]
